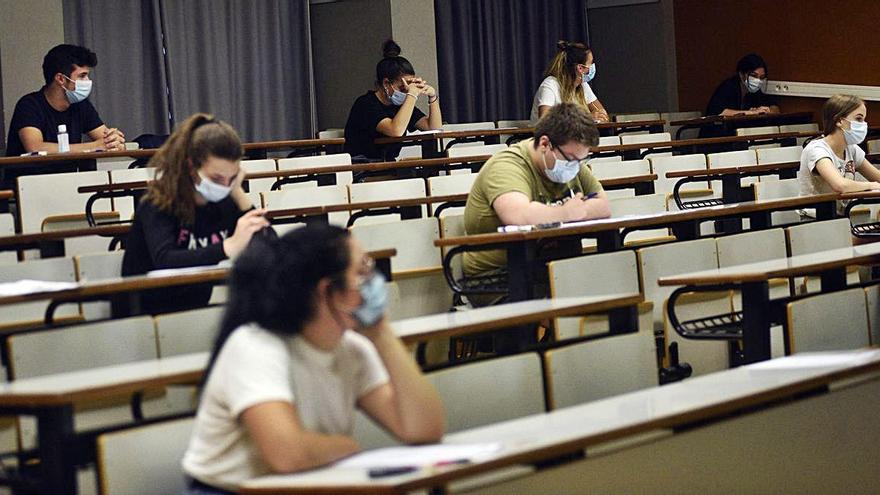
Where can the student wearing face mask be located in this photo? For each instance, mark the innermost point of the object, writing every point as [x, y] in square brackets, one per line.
[195, 212]
[63, 100]
[543, 179]
[743, 93]
[830, 163]
[568, 80]
[303, 344]
[390, 108]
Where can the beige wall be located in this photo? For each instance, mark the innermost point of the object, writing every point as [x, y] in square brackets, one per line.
[27, 31]
[412, 22]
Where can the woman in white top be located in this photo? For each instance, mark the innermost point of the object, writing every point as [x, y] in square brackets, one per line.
[829, 164]
[288, 371]
[567, 80]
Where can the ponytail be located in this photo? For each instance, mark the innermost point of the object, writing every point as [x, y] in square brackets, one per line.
[197, 138]
[392, 64]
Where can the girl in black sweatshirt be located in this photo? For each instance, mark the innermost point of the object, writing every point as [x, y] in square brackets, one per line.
[195, 212]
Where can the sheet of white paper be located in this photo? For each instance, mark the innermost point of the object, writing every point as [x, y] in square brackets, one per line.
[190, 269]
[28, 286]
[417, 132]
[817, 360]
[420, 456]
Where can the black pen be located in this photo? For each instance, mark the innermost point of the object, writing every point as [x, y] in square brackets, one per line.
[390, 471]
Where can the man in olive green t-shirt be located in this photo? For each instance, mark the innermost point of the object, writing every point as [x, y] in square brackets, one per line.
[540, 180]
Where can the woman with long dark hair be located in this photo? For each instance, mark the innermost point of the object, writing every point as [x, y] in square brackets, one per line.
[303, 343]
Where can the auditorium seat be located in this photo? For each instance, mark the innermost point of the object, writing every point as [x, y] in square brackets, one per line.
[382, 191]
[447, 185]
[308, 197]
[94, 267]
[633, 117]
[828, 322]
[812, 237]
[657, 137]
[319, 161]
[254, 166]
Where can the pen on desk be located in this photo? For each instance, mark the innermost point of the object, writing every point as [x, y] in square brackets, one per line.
[592, 195]
[390, 471]
[453, 462]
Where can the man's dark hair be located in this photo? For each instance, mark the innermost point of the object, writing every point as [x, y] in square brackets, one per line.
[749, 63]
[62, 58]
[566, 123]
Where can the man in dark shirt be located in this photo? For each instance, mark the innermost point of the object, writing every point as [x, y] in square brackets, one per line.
[744, 92]
[63, 100]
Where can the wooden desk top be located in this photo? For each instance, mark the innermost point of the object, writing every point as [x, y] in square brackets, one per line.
[445, 325]
[700, 142]
[146, 153]
[6, 194]
[572, 229]
[742, 169]
[545, 436]
[169, 278]
[58, 235]
[709, 119]
[794, 266]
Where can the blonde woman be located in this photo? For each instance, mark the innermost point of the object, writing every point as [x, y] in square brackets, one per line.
[567, 80]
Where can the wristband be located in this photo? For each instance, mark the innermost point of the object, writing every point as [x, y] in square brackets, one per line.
[430, 101]
[414, 96]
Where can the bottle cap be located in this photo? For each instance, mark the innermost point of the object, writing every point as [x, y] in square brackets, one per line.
[62, 128]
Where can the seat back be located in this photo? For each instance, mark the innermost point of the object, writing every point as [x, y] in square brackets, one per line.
[643, 204]
[829, 322]
[453, 226]
[609, 140]
[413, 152]
[475, 150]
[98, 266]
[872, 295]
[331, 133]
[874, 146]
[310, 197]
[754, 131]
[779, 189]
[600, 368]
[53, 197]
[123, 469]
[784, 154]
[50, 269]
[7, 227]
[612, 170]
[676, 116]
[662, 165]
[187, 331]
[446, 185]
[594, 275]
[634, 117]
[466, 126]
[604, 159]
[413, 239]
[386, 191]
[254, 166]
[818, 236]
[732, 159]
[342, 178]
[490, 391]
[655, 137]
[502, 124]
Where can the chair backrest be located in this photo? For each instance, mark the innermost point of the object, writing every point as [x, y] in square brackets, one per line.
[123, 469]
[605, 159]
[593, 275]
[754, 131]
[779, 189]
[664, 164]
[627, 168]
[475, 150]
[811, 127]
[132, 175]
[632, 117]
[413, 239]
[445, 185]
[829, 322]
[609, 140]
[513, 123]
[50, 269]
[643, 204]
[410, 152]
[872, 295]
[675, 116]
[656, 137]
[84, 346]
[309, 197]
[55, 195]
[818, 236]
[751, 247]
[453, 226]
[98, 266]
[386, 191]
[784, 154]
[468, 126]
[331, 133]
[253, 166]
[7, 227]
[320, 161]
[490, 391]
[874, 146]
[600, 368]
[187, 331]
[732, 159]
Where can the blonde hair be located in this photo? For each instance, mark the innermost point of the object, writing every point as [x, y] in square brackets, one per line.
[197, 138]
[564, 68]
[836, 108]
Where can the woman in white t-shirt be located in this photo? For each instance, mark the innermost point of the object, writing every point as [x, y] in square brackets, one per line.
[567, 80]
[287, 371]
[829, 164]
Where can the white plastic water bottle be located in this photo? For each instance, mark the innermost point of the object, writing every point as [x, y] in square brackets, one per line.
[63, 141]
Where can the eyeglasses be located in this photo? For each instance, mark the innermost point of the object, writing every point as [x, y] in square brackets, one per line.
[568, 158]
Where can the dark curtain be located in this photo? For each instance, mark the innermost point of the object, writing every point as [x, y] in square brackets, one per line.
[491, 54]
[247, 62]
[129, 90]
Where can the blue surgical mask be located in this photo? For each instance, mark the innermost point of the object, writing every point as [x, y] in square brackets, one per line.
[591, 74]
[563, 170]
[211, 191]
[856, 133]
[374, 300]
[82, 90]
[753, 84]
[397, 97]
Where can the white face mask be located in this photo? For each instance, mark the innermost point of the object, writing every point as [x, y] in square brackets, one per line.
[856, 133]
[753, 84]
[211, 191]
[82, 90]
[563, 170]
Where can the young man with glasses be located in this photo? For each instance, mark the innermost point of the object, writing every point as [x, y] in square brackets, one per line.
[541, 180]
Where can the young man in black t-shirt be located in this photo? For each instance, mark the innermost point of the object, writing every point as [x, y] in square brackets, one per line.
[63, 100]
